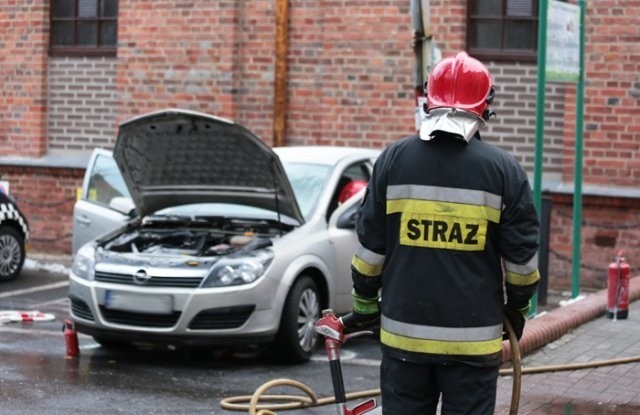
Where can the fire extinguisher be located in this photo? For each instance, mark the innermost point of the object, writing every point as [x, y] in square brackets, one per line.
[618, 288]
[70, 339]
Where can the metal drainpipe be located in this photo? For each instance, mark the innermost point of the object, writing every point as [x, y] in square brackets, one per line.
[280, 82]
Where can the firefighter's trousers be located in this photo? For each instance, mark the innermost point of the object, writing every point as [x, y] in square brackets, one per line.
[410, 388]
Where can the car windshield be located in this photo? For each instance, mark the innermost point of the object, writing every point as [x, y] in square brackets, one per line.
[307, 181]
[196, 211]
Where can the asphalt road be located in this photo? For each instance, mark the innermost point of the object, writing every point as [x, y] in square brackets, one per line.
[36, 376]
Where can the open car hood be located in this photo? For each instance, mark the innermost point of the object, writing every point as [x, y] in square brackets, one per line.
[175, 157]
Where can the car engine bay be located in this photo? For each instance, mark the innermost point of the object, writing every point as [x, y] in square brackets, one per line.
[200, 239]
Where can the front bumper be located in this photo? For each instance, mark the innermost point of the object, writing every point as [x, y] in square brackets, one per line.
[211, 316]
[186, 340]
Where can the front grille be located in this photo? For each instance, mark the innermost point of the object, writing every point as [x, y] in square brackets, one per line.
[140, 319]
[221, 318]
[80, 309]
[127, 279]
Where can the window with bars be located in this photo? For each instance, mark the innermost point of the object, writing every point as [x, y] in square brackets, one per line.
[502, 29]
[84, 27]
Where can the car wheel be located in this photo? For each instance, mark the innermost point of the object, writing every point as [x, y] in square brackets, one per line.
[11, 253]
[297, 337]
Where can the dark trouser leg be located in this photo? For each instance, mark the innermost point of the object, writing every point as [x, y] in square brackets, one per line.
[467, 389]
[407, 388]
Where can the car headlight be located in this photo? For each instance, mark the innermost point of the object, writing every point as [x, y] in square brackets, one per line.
[84, 262]
[236, 271]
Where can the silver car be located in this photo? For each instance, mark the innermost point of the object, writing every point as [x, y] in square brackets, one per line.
[227, 241]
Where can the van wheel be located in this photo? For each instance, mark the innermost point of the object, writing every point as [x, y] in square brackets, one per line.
[297, 337]
[12, 253]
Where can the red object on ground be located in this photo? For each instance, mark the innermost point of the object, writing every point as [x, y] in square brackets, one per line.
[70, 339]
[618, 288]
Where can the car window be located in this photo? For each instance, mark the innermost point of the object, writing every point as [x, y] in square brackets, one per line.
[359, 171]
[105, 182]
[307, 181]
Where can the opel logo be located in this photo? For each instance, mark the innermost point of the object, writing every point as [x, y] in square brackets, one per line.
[141, 277]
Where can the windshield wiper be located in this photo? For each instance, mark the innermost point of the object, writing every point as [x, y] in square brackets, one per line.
[174, 219]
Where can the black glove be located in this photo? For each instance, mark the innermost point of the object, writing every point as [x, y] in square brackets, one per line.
[365, 314]
[355, 321]
[517, 319]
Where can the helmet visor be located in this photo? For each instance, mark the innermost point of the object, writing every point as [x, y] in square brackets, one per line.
[461, 123]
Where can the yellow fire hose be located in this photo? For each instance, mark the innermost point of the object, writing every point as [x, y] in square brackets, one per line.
[261, 404]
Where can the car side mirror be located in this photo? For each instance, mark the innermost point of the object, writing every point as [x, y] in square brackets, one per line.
[348, 218]
[123, 205]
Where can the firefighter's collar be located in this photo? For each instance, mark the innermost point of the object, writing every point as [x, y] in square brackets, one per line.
[461, 123]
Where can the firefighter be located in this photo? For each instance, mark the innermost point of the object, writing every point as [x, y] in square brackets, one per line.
[448, 240]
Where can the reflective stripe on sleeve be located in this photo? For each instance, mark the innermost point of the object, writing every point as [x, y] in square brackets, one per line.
[523, 269]
[520, 279]
[366, 262]
[471, 341]
[525, 274]
[364, 305]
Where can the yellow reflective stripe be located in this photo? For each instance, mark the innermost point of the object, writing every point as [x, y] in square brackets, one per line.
[463, 348]
[459, 334]
[520, 279]
[364, 268]
[458, 210]
[527, 268]
[369, 256]
[444, 194]
[525, 310]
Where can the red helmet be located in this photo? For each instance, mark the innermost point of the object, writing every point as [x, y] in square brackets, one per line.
[350, 189]
[460, 82]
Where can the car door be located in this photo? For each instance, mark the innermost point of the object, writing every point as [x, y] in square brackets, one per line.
[343, 236]
[104, 203]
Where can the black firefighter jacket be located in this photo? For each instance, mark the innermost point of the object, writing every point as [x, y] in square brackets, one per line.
[448, 233]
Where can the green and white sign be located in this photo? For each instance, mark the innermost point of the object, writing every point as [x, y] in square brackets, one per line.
[563, 42]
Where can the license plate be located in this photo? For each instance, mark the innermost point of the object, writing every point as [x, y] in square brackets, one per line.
[143, 303]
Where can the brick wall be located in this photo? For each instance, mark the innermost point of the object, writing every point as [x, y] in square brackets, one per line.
[46, 197]
[611, 155]
[612, 96]
[514, 128]
[82, 103]
[608, 225]
[349, 68]
[23, 58]
[187, 54]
